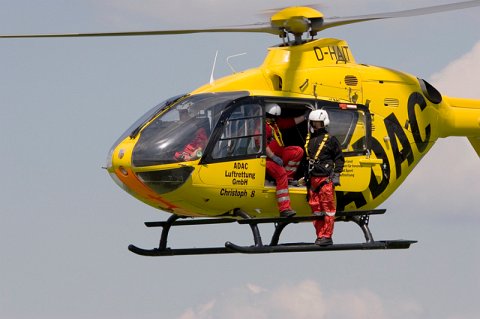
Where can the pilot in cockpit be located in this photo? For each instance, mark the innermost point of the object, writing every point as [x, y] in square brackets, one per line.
[194, 149]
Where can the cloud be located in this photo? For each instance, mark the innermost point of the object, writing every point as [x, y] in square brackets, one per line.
[460, 77]
[201, 311]
[301, 301]
[255, 289]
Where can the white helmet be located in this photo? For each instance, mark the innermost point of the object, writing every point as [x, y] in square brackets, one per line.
[319, 116]
[273, 109]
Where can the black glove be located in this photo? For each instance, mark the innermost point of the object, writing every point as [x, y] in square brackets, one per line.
[277, 160]
[306, 114]
[336, 179]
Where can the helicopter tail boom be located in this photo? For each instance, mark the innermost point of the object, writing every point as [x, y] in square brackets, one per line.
[461, 118]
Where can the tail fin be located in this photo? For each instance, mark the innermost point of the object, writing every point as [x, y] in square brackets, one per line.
[475, 141]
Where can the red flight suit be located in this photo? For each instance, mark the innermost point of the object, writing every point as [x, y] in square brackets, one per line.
[322, 200]
[326, 158]
[190, 150]
[290, 155]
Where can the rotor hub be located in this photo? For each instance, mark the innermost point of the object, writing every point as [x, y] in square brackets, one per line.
[297, 21]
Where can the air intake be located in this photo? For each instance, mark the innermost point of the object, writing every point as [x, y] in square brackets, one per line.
[391, 102]
[351, 80]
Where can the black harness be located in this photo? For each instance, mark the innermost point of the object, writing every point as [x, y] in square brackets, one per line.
[314, 160]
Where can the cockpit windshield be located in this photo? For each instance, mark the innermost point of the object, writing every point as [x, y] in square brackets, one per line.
[181, 132]
[150, 114]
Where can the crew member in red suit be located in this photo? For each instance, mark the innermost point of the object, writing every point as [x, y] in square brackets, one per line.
[325, 163]
[194, 149]
[282, 161]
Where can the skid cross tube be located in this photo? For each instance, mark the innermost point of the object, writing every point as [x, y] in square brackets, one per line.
[257, 239]
[166, 230]
[362, 222]
[279, 227]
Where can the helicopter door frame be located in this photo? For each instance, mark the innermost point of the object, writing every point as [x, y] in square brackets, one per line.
[351, 117]
[234, 160]
[238, 134]
[350, 123]
[243, 123]
[242, 136]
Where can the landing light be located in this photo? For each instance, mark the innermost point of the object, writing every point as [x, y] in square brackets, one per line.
[123, 171]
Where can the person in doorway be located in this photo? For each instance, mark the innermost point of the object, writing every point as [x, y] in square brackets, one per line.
[282, 161]
[325, 163]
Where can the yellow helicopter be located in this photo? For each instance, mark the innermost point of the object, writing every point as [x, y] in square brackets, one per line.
[202, 155]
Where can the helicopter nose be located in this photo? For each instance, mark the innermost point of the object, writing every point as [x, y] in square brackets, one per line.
[148, 187]
[119, 165]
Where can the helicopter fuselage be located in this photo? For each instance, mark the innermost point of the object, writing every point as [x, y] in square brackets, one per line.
[386, 121]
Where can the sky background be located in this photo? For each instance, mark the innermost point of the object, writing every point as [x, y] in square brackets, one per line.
[65, 225]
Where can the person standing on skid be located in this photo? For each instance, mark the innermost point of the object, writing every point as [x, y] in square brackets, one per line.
[325, 163]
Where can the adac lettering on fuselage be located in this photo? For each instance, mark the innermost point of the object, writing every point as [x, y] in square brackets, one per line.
[333, 53]
[240, 165]
[400, 147]
[239, 174]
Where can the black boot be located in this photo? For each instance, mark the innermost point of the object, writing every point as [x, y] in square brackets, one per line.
[287, 213]
[323, 241]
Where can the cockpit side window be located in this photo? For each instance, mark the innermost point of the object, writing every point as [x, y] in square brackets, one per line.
[349, 127]
[242, 134]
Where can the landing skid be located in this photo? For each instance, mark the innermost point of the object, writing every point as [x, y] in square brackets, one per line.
[361, 218]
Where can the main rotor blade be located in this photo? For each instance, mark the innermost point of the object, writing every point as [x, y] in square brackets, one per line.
[338, 21]
[266, 27]
[258, 27]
